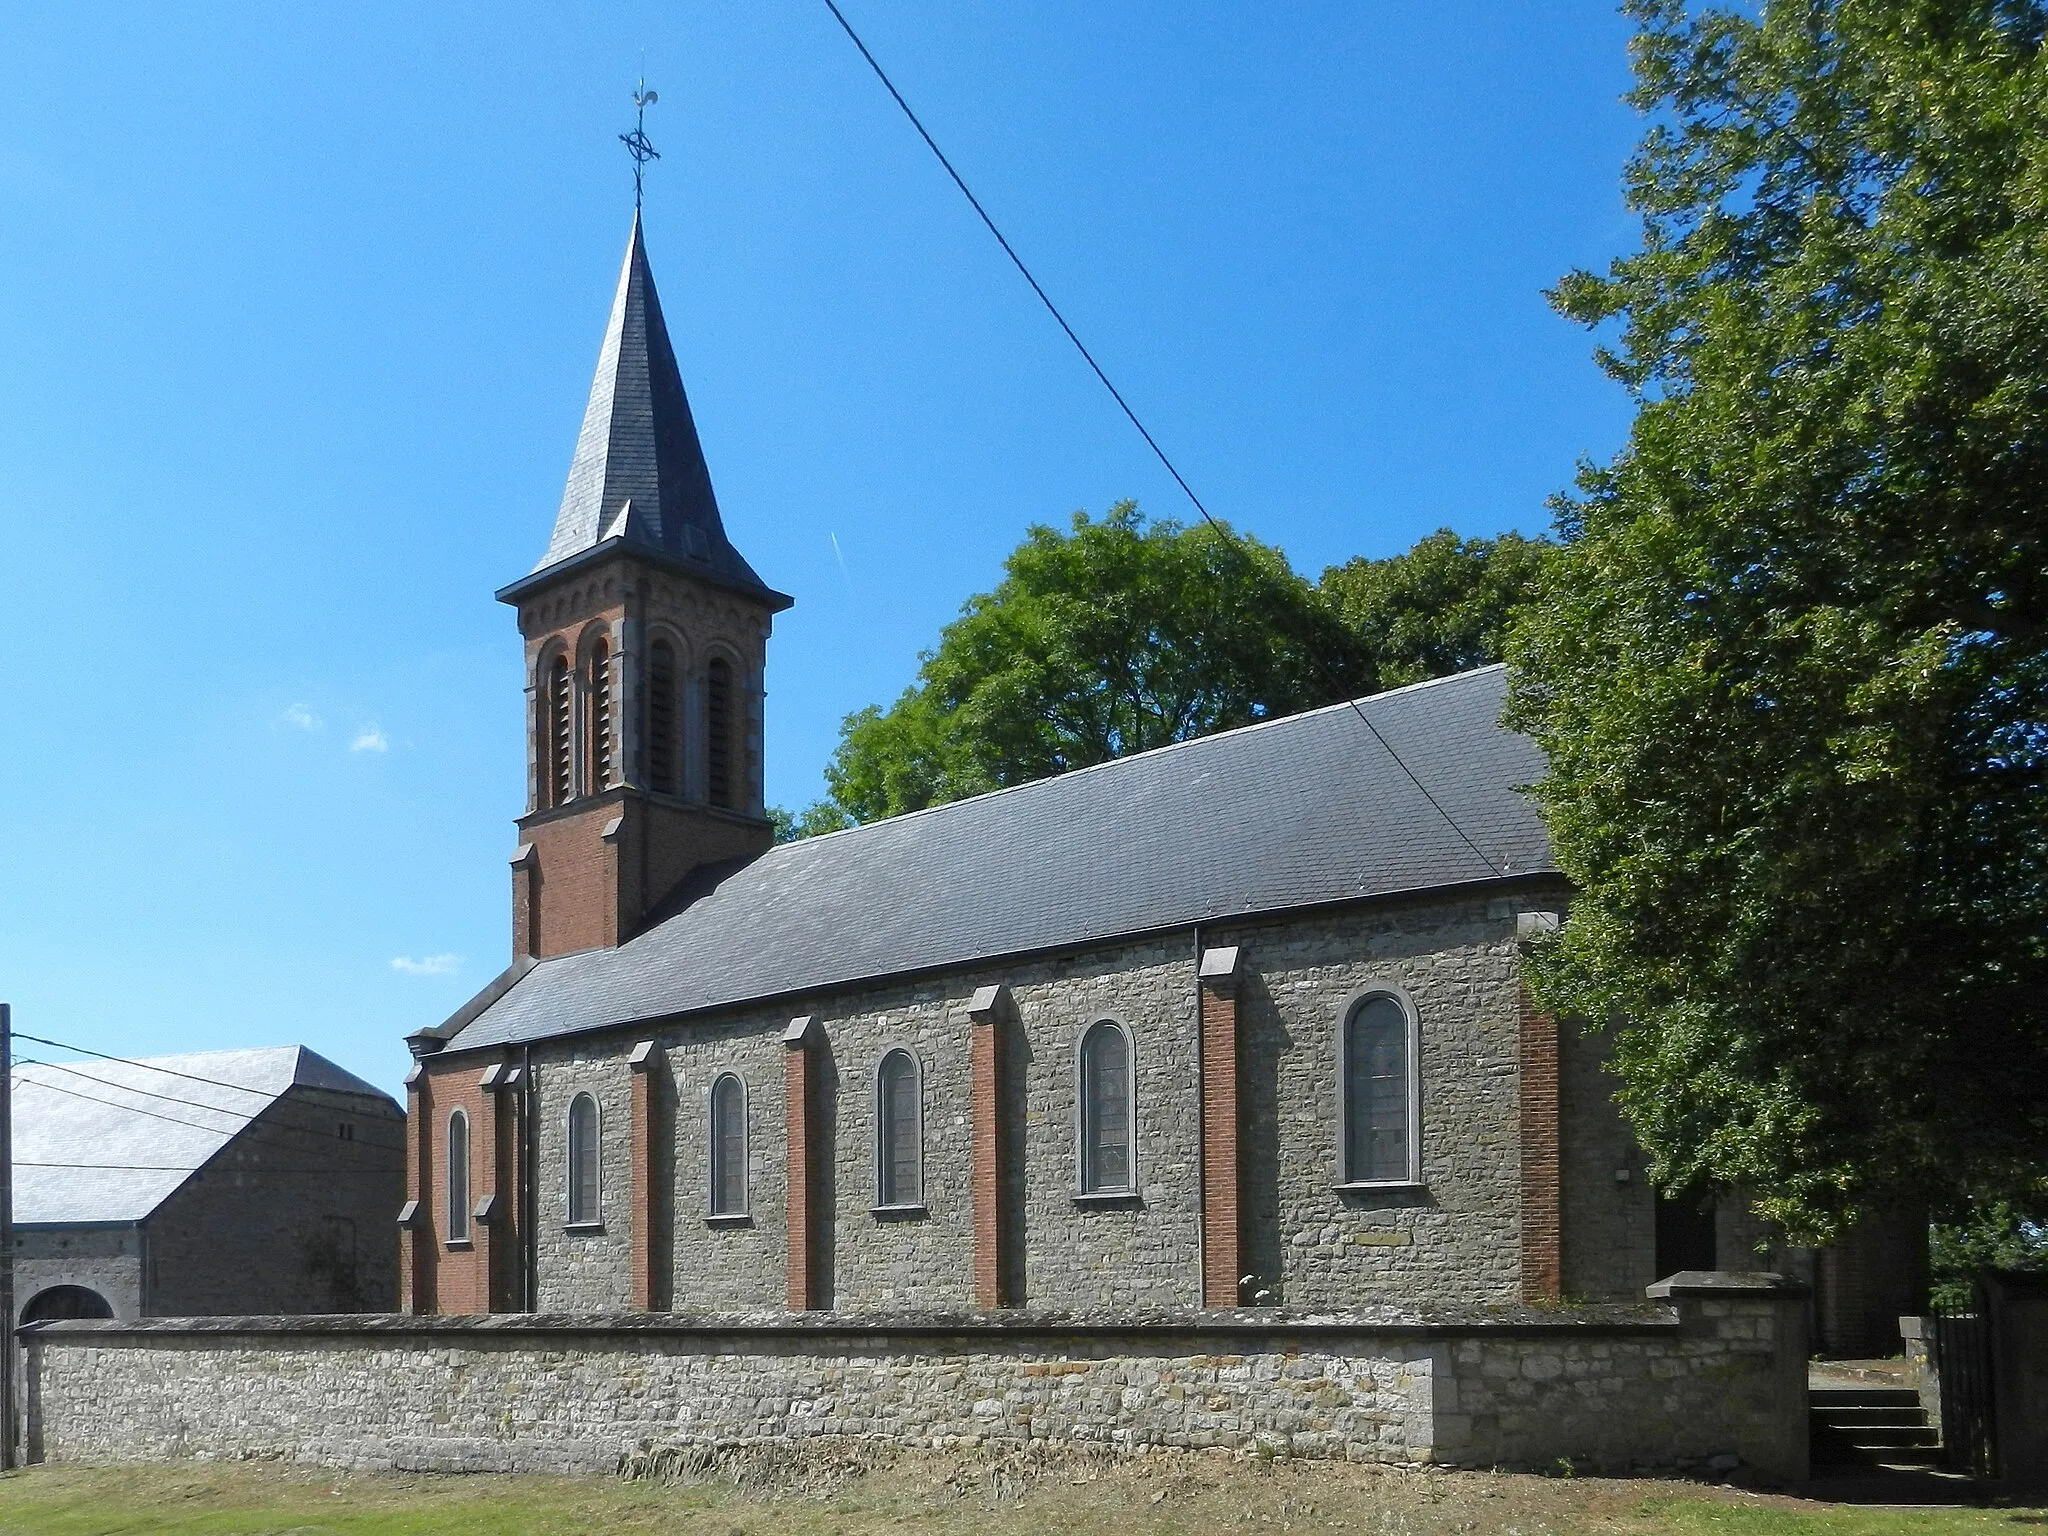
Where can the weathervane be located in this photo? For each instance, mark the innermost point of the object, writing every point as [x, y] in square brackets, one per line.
[636, 142]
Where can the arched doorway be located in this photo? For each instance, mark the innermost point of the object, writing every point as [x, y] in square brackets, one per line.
[61, 1303]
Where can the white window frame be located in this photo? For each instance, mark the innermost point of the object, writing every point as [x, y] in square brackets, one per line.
[1345, 1017]
[1081, 1189]
[458, 1224]
[881, 1206]
[593, 1220]
[746, 1205]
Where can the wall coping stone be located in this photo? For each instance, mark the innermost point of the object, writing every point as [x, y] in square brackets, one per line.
[1717, 1284]
[1502, 1322]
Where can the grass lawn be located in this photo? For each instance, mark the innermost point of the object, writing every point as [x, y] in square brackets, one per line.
[930, 1494]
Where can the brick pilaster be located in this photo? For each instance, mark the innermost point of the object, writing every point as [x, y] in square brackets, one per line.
[486, 1242]
[991, 1175]
[416, 1221]
[646, 1062]
[802, 1072]
[1222, 1233]
[525, 902]
[1542, 1194]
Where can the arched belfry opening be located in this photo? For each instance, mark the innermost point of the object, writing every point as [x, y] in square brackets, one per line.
[646, 635]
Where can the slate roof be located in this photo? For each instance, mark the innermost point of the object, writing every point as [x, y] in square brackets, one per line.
[1289, 813]
[106, 1112]
[638, 477]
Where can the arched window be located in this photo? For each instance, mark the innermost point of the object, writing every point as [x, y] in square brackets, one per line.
[661, 718]
[1106, 1161]
[458, 1177]
[1379, 1095]
[899, 1133]
[62, 1303]
[718, 731]
[584, 1209]
[598, 690]
[728, 1146]
[555, 734]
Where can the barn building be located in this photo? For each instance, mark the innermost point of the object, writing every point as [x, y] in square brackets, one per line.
[241, 1181]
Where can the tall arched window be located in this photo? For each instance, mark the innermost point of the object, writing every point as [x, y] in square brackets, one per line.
[728, 1146]
[458, 1177]
[1106, 1162]
[1379, 1096]
[718, 731]
[662, 713]
[899, 1133]
[583, 1194]
[555, 734]
[598, 690]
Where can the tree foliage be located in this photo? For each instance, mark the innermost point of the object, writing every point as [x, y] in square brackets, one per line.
[1996, 1236]
[1442, 607]
[1789, 665]
[1113, 637]
[1122, 634]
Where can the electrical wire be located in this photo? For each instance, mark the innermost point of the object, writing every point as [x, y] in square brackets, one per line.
[129, 1061]
[1116, 394]
[247, 1121]
[21, 1162]
[186, 1103]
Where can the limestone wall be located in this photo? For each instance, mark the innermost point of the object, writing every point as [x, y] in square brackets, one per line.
[1714, 1381]
[105, 1260]
[1453, 1237]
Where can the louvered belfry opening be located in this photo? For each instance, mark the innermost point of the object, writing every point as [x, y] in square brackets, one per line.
[661, 718]
[600, 695]
[718, 730]
[560, 784]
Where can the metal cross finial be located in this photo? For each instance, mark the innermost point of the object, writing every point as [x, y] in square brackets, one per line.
[636, 142]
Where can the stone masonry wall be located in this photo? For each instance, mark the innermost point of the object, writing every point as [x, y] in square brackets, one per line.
[105, 1260]
[586, 1268]
[1454, 1237]
[292, 1216]
[1714, 1383]
[1610, 1223]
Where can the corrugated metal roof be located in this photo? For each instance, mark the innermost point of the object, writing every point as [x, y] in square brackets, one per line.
[150, 1115]
[1289, 813]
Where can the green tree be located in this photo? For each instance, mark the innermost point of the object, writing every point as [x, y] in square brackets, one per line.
[1997, 1236]
[1788, 666]
[1442, 607]
[1110, 638]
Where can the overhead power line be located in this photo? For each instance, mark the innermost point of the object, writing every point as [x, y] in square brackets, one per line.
[129, 1061]
[247, 1122]
[1492, 867]
[381, 1173]
[191, 1077]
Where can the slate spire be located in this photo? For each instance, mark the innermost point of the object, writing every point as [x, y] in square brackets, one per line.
[639, 473]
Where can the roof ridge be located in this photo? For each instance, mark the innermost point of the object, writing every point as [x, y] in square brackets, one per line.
[1149, 753]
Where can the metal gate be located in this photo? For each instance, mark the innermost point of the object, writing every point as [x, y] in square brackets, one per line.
[1961, 1347]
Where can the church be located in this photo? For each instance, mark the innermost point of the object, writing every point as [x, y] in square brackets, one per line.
[1239, 1022]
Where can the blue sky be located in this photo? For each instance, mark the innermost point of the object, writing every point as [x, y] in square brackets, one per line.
[301, 304]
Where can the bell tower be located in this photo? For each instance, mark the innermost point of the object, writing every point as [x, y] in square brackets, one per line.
[646, 642]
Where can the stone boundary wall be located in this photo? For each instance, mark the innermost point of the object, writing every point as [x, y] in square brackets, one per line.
[1713, 1380]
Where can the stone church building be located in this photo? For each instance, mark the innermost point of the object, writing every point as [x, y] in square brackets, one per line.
[1235, 1022]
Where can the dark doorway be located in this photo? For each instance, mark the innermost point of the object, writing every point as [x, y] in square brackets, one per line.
[1685, 1233]
[62, 1303]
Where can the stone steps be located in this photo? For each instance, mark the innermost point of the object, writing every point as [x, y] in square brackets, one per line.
[1870, 1426]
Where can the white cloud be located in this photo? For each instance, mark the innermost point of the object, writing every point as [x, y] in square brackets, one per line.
[299, 717]
[370, 738]
[432, 965]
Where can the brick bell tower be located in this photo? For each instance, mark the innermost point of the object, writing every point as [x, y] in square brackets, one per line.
[646, 640]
